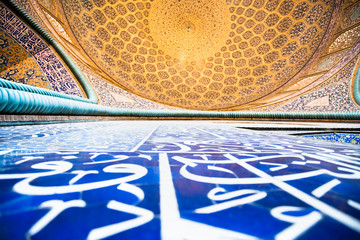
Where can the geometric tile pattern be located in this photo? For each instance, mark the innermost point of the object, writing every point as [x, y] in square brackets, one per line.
[200, 54]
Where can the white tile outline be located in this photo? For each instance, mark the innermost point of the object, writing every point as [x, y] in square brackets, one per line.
[323, 189]
[354, 204]
[173, 227]
[214, 134]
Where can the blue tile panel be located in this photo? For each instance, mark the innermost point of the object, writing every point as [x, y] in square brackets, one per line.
[174, 181]
[337, 137]
[53, 69]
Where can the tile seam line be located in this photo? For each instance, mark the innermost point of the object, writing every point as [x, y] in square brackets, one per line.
[214, 134]
[145, 139]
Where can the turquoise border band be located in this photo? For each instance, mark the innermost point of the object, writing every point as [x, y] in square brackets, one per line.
[27, 88]
[16, 100]
[89, 91]
[356, 86]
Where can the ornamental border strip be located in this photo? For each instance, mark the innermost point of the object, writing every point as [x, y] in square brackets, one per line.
[16, 100]
[356, 85]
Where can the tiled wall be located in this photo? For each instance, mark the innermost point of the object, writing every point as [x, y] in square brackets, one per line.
[113, 96]
[333, 95]
[26, 58]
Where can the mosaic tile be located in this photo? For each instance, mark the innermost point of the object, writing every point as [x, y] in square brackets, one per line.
[56, 137]
[18, 65]
[181, 180]
[346, 39]
[29, 7]
[337, 137]
[325, 63]
[251, 50]
[337, 89]
[233, 71]
[39, 65]
[351, 15]
[113, 96]
[57, 26]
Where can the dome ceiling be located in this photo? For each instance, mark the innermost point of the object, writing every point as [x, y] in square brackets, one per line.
[200, 54]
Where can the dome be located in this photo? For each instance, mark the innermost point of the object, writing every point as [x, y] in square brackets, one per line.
[207, 55]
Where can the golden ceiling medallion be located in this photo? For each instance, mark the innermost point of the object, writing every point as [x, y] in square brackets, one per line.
[190, 30]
